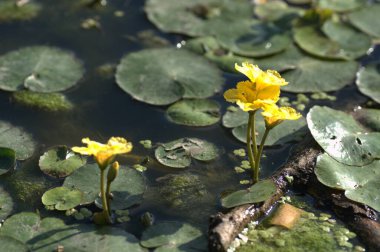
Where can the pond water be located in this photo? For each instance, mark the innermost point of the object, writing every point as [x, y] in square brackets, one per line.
[102, 109]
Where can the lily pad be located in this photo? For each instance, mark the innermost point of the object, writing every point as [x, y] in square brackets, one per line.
[7, 160]
[342, 137]
[338, 41]
[60, 162]
[259, 192]
[43, 101]
[163, 76]
[287, 131]
[370, 118]
[361, 183]
[17, 139]
[62, 198]
[196, 17]
[194, 112]
[178, 153]
[43, 235]
[341, 5]
[11, 10]
[127, 188]
[277, 10]
[40, 69]
[366, 19]
[12, 244]
[368, 81]
[173, 235]
[6, 203]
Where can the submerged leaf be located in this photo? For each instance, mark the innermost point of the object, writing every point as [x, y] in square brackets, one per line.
[11, 10]
[6, 203]
[7, 160]
[43, 101]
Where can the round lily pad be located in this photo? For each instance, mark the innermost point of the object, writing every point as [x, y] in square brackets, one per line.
[12, 244]
[60, 162]
[178, 153]
[7, 160]
[174, 234]
[368, 81]
[11, 10]
[338, 41]
[6, 203]
[276, 10]
[366, 19]
[127, 188]
[43, 235]
[342, 137]
[62, 198]
[361, 183]
[370, 118]
[40, 69]
[194, 112]
[163, 76]
[341, 5]
[259, 192]
[17, 139]
[287, 131]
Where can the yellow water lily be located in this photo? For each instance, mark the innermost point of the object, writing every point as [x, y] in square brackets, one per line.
[104, 153]
[274, 115]
[249, 70]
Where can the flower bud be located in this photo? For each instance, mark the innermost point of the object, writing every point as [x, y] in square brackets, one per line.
[112, 172]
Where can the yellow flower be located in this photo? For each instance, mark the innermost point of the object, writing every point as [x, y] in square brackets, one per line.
[104, 153]
[270, 77]
[249, 70]
[274, 115]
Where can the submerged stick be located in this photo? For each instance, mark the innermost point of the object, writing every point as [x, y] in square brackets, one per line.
[224, 228]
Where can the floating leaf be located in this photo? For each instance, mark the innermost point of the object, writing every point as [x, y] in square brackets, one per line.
[259, 192]
[341, 5]
[163, 76]
[173, 236]
[178, 153]
[299, 1]
[62, 198]
[196, 17]
[12, 244]
[43, 235]
[43, 101]
[127, 188]
[194, 112]
[7, 160]
[361, 183]
[366, 19]
[60, 162]
[11, 10]
[339, 41]
[17, 139]
[368, 81]
[342, 137]
[370, 118]
[276, 10]
[287, 131]
[40, 69]
[6, 203]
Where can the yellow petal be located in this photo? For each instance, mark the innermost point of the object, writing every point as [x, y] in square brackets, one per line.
[249, 70]
[274, 115]
[270, 77]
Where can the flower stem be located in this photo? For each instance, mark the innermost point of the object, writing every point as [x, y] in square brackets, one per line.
[258, 156]
[249, 146]
[104, 198]
[253, 133]
[108, 195]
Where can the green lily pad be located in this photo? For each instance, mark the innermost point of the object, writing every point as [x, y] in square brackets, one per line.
[17, 139]
[194, 112]
[252, 38]
[287, 131]
[127, 188]
[173, 235]
[178, 153]
[366, 19]
[259, 192]
[341, 5]
[163, 76]
[342, 137]
[368, 81]
[299, 1]
[11, 244]
[361, 183]
[338, 41]
[43, 101]
[276, 10]
[62, 198]
[10, 10]
[40, 69]
[196, 17]
[44, 235]
[6, 203]
[370, 118]
[7, 160]
[60, 162]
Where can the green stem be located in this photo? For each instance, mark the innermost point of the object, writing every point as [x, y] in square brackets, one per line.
[249, 146]
[108, 195]
[253, 133]
[104, 197]
[258, 156]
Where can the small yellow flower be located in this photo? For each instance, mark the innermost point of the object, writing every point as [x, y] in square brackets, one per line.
[249, 70]
[270, 77]
[274, 115]
[104, 153]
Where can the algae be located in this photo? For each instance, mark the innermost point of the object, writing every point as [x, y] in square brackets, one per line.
[44, 101]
